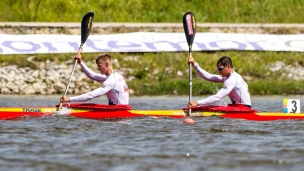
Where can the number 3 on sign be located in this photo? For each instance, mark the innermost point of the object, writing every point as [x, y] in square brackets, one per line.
[291, 105]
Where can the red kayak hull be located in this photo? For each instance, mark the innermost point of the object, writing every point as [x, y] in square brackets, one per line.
[96, 111]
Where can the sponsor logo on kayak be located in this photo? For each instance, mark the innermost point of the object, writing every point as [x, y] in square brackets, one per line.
[48, 110]
[31, 109]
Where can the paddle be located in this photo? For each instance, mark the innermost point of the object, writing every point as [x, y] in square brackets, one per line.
[190, 30]
[86, 27]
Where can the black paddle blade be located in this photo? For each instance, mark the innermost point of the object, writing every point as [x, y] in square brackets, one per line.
[189, 27]
[86, 26]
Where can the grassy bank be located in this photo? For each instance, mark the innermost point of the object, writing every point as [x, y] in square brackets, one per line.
[167, 73]
[227, 11]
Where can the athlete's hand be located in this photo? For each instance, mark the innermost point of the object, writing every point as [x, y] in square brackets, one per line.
[192, 104]
[191, 60]
[64, 99]
[78, 58]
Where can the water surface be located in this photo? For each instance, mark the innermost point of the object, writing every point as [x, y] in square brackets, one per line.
[68, 143]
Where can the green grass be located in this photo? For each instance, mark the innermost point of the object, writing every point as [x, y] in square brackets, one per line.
[221, 11]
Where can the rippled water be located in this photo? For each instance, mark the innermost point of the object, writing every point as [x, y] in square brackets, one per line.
[68, 143]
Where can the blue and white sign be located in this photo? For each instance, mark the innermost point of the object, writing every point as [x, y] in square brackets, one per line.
[148, 42]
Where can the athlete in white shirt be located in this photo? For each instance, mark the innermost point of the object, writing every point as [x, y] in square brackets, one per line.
[234, 85]
[113, 84]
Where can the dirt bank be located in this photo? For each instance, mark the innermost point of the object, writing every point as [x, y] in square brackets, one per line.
[110, 28]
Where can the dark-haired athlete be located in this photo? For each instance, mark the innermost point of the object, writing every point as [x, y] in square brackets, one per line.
[234, 85]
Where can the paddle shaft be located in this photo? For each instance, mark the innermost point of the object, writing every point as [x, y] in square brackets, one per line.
[190, 30]
[70, 79]
[190, 80]
[86, 27]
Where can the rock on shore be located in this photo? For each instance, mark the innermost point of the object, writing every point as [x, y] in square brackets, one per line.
[49, 78]
[52, 78]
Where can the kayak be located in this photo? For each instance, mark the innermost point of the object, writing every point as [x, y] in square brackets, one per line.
[101, 111]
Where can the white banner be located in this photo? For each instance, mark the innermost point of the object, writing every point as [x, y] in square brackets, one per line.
[148, 42]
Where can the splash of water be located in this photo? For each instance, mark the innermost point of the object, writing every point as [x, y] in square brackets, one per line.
[63, 111]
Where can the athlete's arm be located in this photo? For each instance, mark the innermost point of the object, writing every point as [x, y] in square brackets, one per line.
[206, 75]
[227, 88]
[91, 95]
[91, 74]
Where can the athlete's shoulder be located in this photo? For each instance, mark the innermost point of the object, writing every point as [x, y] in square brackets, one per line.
[232, 79]
[238, 76]
[116, 73]
[235, 75]
[109, 79]
[119, 77]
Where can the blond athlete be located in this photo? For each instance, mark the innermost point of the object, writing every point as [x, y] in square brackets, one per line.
[113, 84]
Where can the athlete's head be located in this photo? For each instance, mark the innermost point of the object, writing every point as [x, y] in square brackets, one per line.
[224, 61]
[104, 58]
[104, 64]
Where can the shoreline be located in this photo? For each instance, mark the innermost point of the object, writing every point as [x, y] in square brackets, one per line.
[126, 24]
[110, 28]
